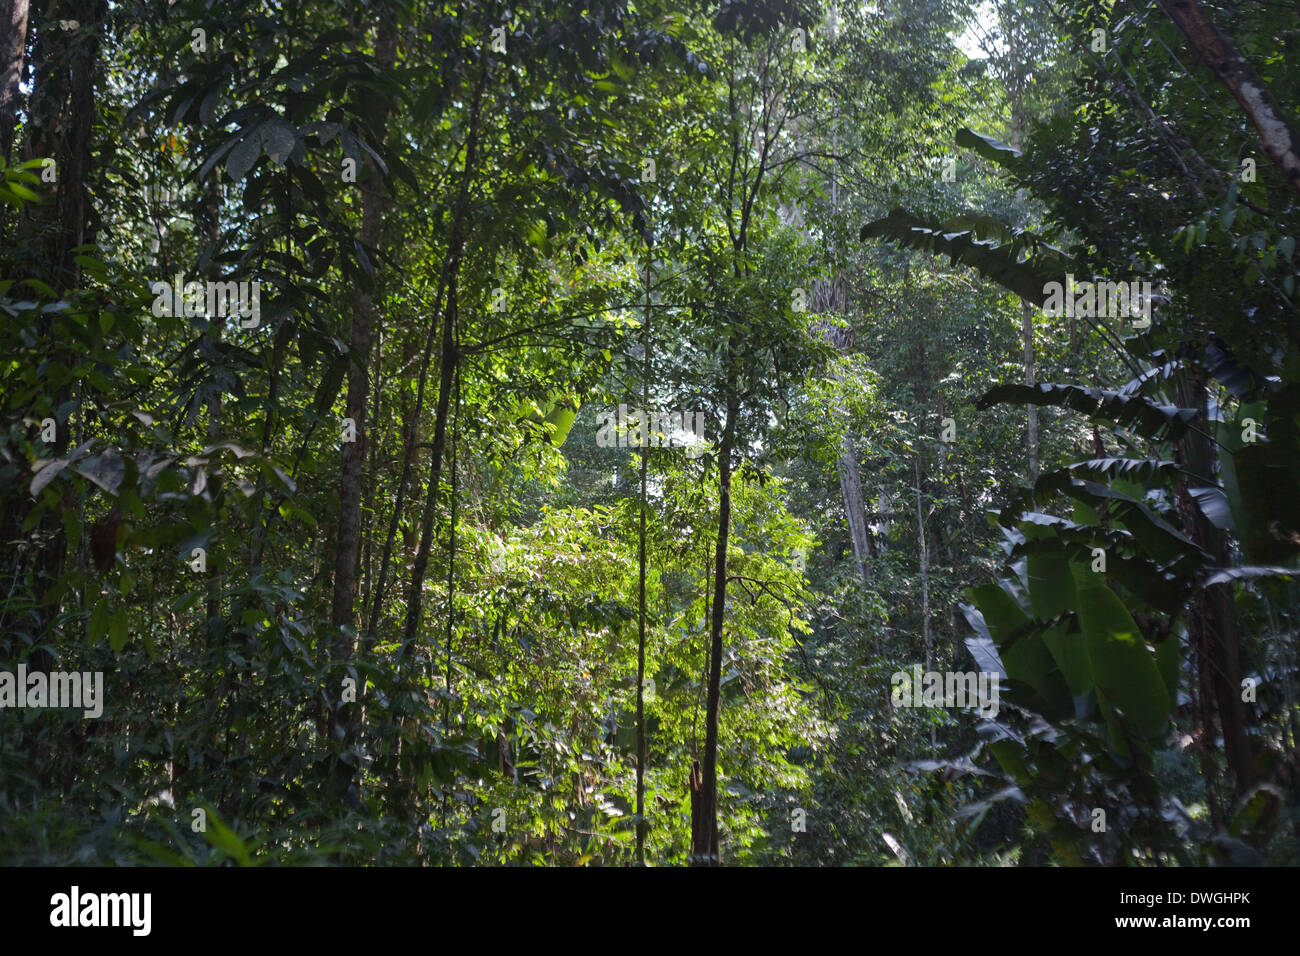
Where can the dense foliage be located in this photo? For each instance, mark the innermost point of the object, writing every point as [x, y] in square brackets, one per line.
[553, 434]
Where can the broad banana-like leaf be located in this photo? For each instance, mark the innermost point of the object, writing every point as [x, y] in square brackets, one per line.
[1070, 652]
[985, 227]
[984, 652]
[1213, 503]
[1156, 536]
[1169, 658]
[562, 418]
[1258, 472]
[1147, 581]
[1158, 373]
[1134, 469]
[1052, 595]
[981, 645]
[1000, 263]
[978, 808]
[1231, 445]
[1066, 530]
[1142, 415]
[1003, 617]
[1230, 575]
[995, 151]
[1051, 586]
[1223, 365]
[1130, 688]
[1018, 638]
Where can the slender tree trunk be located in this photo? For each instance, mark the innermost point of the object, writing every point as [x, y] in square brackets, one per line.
[1027, 329]
[212, 609]
[367, 584]
[411, 430]
[451, 563]
[1015, 78]
[704, 838]
[829, 297]
[447, 372]
[447, 367]
[854, 505]
[61, 113]
[348, 549]
[923, 552]
[640, 672]
[641, 826]
[1212, 622]
[13, 45]
[835, 301]
[1277, 134]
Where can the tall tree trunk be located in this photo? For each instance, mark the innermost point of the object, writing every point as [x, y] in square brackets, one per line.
[61, 113]
[646, 373]
[640, 669]
[830, 297]
[1027, 329]
[854, 505]
[447, 367]
[923, 551]
[13, 45]
[212, 583]
[411, 431]
[451, 561]
[447, 371]
[1212, 622]
[1277, 134]
[348, 549]
[834, 300]
[704, 837]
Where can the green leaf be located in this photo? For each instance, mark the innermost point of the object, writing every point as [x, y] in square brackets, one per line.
[1025, 657]
[1127, 679]
[1213, 503]
[993, 150]
[226, 840]
[1051, 586]
[215, 158]
[99, 620]
[1147, 418]
[1143, 578]
[1003, 264]
[1157, 536]
[1169, 661]
[107, 469]
[562, 419]
[1215, 576]
[49, 471]
[244, 156]
[117, 629]
[981, 646]
[22, 192]
[278, 141]
[1134, 469]
[1070, 652]
[93, 266]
